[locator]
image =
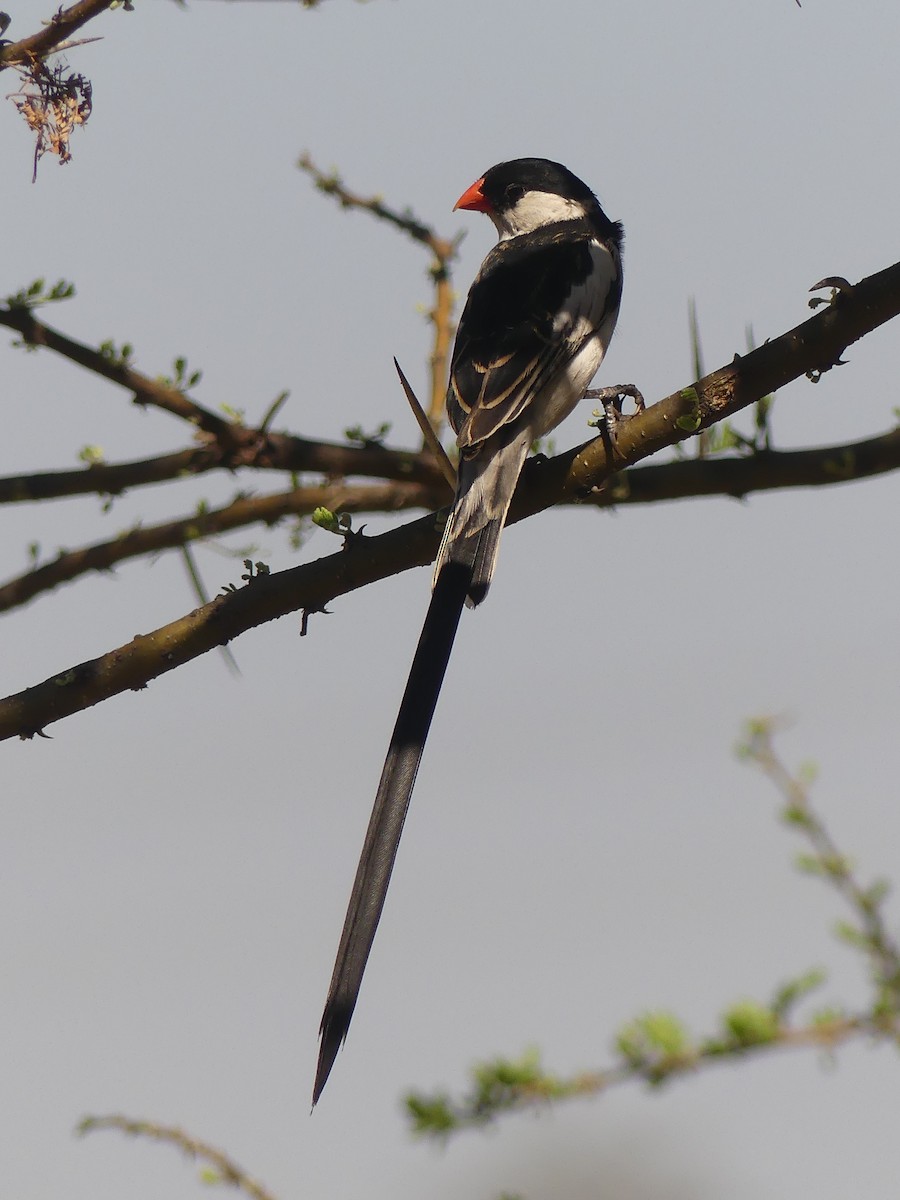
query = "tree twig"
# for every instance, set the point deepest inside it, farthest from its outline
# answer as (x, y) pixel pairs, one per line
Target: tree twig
(147, 391)
(444, 252)
(514, 1086)
(225, 1169)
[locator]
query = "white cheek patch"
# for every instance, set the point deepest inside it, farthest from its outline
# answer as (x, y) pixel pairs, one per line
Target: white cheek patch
(539, 208)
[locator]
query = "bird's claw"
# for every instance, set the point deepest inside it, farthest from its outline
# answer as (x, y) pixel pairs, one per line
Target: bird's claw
(838, 285)
(611, 399)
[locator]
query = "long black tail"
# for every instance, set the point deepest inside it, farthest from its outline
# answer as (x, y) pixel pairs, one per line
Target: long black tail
(391, 803)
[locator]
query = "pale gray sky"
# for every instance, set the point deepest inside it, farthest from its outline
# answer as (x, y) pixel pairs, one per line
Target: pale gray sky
(582, 845)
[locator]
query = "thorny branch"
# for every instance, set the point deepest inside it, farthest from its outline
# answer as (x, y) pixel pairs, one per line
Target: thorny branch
(811, 347)
(416, 485)
(241, 512)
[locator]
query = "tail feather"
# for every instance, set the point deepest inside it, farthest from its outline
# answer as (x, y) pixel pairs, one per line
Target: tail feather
(389, 813)
(483, 495)
(463, 571)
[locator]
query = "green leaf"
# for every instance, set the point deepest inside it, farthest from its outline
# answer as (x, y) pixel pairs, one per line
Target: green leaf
(750, 1023)
(91, 455)
(795, 814)
(430, 1114)
(325, 519)
(851, 935)
(809, 864)
(795, 989)
(652, 1035)
(689, 423)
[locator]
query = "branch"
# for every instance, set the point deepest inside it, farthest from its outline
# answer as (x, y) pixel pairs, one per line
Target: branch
(814, 346)
(60, 26)
(242, 511)
(107, 479)
(147, 391)
(236, 444)
(520, 1085)
(268, 452)
(224, 1169)
(331, 184)
(685, 478)
(725, 475)
(765, 470)
(810, 349)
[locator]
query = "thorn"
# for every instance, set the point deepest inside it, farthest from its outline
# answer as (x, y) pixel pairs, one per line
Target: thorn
(431, 438)
(306, 614)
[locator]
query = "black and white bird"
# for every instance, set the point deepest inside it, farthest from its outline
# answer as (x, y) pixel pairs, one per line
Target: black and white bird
(534, 330)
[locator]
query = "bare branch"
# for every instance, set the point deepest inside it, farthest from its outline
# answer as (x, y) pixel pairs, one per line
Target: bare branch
(331, 184)
(811, 347)
(108, 479)
(243, 511)
(60, 27)
(682, 479)
(766, 470)
(270, 452)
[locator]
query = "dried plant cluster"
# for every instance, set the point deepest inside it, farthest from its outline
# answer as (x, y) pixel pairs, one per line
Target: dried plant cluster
(54, 101)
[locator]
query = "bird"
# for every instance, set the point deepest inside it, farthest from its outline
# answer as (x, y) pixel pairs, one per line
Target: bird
(536, 324)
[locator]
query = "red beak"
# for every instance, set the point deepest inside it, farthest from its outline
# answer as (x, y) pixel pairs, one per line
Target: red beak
(473, 198)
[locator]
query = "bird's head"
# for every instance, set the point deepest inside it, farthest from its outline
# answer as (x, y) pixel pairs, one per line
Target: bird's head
(528, 193)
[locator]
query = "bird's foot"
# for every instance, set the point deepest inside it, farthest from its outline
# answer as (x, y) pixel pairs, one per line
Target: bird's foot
(838, 285)
(611, 400)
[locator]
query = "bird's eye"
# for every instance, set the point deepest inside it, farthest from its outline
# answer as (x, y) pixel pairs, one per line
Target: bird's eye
(514, 193)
